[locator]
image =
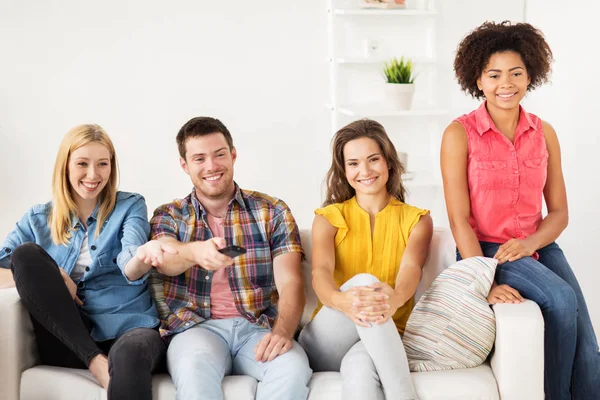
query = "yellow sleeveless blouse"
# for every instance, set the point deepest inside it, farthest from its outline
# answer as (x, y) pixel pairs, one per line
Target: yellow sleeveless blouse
(379, 254)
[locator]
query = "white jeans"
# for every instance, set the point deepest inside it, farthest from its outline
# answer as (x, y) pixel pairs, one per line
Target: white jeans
(200, 357)
(372, 360)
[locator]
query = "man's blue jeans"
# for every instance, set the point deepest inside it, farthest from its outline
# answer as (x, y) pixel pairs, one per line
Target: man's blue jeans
(572, 360)
(200, 357)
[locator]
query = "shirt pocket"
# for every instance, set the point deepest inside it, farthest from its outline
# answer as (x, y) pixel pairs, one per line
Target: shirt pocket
(492, 174)
(536, 170)
(107, 260)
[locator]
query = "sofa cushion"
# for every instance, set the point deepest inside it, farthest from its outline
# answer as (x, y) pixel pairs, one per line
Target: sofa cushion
(452, 326)
(55, 383)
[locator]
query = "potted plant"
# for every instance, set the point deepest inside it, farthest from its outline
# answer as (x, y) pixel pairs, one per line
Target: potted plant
(400, 86)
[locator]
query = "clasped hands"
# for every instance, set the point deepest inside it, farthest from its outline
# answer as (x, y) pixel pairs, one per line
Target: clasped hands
(364, 305)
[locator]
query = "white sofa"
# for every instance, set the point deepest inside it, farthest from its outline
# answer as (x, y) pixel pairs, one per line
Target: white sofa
(513, 371)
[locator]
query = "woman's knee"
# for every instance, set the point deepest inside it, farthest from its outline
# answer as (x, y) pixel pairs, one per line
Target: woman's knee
(26, 258)
(359, 280)
(562, 298)
(138, 347)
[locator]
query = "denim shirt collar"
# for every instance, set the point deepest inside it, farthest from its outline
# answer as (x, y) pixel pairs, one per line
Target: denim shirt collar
(237, 197)
(93, 217)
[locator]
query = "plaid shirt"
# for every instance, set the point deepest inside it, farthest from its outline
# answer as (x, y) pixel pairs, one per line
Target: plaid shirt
(260, 223)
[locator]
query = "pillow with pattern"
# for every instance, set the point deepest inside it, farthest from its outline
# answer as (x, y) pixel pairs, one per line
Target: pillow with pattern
(452, 326)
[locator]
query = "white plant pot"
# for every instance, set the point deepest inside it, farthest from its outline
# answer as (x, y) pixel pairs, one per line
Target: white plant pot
(398, 96)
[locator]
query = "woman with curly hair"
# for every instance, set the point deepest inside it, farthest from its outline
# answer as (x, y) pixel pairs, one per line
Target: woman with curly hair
(497, 163)
(368, 251)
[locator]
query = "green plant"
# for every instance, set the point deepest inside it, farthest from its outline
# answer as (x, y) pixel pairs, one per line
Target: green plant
(399, 71)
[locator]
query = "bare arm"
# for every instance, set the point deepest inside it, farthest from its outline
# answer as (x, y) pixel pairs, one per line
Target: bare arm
(453, 157)
(555, 195)
(287, 269)
(323, 256)
(413, 260)
(185, 255)
(6, 278)
(290, 285)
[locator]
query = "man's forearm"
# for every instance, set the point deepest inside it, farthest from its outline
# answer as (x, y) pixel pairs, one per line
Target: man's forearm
(176, 264)
(291, 305)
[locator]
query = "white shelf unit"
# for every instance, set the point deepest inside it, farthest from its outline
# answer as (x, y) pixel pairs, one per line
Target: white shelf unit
(356, 80)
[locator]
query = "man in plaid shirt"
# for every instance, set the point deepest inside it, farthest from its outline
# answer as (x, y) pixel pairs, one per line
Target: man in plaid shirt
(228, 315)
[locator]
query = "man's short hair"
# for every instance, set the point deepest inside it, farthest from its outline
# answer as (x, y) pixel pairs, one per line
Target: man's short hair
(201, 126)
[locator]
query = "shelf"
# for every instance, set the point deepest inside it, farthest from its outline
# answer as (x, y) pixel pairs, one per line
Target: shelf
(362, 60)
(375, 110)
(392, 12)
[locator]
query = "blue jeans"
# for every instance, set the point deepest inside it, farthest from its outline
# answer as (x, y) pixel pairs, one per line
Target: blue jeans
(572, 360)
(200, 357)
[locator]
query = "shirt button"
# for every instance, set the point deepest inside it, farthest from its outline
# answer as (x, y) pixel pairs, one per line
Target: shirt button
(187, 324)
(87, 269)
(93, 247)
(207, 277)
(205, 304)
(81, 285)
(516, 171)
(7, 251)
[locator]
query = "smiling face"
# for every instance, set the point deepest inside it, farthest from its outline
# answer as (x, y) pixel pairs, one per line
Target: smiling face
(366, 168)
(89, 171)
(504, 80)
(209, 163)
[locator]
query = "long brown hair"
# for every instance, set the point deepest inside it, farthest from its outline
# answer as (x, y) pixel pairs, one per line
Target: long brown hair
(338, 188)
(63, 205)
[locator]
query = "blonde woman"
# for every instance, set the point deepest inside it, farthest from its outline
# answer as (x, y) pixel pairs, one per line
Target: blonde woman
(73, 261)
(368, 251)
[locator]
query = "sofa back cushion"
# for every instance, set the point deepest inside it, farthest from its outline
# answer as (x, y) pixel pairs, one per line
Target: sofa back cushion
(452, 326)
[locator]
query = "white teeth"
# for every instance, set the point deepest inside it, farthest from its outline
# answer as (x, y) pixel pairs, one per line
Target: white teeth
(90, 185)
(506, 96)
(367, 181)
(212, 178)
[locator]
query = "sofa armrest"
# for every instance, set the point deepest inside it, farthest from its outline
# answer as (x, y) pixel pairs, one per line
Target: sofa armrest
(18, 349)
(518, 358)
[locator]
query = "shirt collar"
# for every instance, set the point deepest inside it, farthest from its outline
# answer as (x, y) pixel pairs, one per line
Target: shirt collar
(237, 197)
(93, 216)
(484, 121)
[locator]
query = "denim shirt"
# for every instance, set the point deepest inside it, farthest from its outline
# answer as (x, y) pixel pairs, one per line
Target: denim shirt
(112, 302)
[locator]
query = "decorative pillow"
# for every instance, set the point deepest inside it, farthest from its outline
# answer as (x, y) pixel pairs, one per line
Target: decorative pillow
(452, 326)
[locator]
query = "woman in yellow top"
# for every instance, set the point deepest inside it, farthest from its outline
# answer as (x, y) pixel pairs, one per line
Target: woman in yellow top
(368, 251)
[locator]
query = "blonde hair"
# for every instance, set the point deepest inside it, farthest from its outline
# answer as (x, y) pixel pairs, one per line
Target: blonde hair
(338, 188)
(63, 205)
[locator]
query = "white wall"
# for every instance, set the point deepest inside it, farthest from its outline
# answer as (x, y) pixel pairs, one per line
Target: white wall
(570, 103)
(143, 68)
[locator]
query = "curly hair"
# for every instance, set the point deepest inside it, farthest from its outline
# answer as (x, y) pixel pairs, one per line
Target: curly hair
(338, 188)
(475, 50)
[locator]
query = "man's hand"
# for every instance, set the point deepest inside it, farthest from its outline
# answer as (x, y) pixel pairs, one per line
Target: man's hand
(514, 249)
(71, 286)
(151, 252)
(504, 294)
(272, 345)
(206, 254)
